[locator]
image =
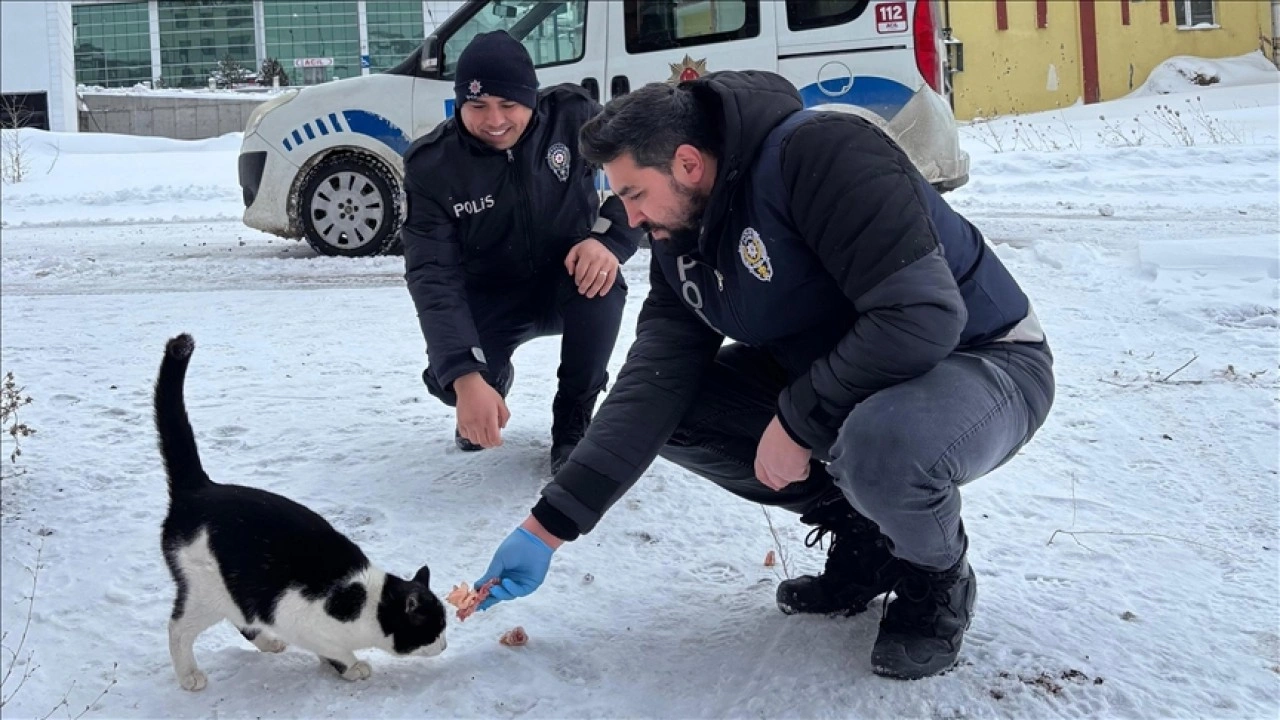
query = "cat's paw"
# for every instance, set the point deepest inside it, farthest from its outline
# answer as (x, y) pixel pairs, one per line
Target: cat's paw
(193, 681)
(270, 644)
(360, 671)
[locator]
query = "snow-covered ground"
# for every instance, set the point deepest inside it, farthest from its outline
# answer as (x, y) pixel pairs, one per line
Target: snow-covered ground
(1154, 268)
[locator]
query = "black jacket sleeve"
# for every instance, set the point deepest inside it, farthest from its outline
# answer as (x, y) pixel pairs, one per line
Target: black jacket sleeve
(433, 271)
(856, 200)
(618, 236)
(654, 390)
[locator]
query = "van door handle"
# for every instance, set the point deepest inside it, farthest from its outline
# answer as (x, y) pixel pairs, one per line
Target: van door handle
(592, 87)
(620, 85)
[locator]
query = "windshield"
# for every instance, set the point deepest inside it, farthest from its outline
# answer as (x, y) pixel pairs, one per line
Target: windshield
(552, 32)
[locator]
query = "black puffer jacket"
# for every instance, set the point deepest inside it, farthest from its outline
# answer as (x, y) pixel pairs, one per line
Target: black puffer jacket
(822, 244)
(479, 217)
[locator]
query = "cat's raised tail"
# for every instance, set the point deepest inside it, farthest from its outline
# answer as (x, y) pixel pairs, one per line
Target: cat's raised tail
(177, 440)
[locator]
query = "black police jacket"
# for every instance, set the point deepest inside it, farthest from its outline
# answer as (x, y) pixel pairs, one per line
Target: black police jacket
(480, 217)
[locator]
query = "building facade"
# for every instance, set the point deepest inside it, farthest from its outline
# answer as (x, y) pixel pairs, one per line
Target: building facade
(186, 43)
(1028, 55)
(37, 72)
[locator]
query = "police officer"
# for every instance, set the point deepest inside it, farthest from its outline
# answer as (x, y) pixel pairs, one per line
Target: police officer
(505, 240)
(884, 355)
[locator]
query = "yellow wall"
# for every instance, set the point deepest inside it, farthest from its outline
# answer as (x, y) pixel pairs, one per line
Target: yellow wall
(1133, 51)
(1015, 69)
(1009, 71)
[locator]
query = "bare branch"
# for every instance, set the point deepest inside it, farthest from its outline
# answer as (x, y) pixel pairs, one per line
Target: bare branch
(1074, 533)
(1182, 367)
(782, 555)
(31, 603)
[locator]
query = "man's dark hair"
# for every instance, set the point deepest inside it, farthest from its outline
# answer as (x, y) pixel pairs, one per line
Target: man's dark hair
(650, 124)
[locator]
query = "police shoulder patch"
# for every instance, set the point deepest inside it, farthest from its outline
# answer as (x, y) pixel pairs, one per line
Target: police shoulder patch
(558, 160)
(754, 255)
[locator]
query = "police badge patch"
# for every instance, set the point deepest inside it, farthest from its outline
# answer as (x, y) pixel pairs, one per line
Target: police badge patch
(558, 160)
(473, 89)
(754, 256)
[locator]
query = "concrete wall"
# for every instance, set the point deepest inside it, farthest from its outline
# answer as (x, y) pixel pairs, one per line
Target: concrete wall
(1025, 68)
(171, 116)
(36, 56)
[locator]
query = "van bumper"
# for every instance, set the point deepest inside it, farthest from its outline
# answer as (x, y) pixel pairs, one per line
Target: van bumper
(926, 130)
(266, 179)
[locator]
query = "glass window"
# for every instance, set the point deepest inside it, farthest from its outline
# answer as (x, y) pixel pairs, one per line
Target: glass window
(653, 25)
(112, 44)
(213, 28)
(811, 14)
(1194, 12)
(395, 31)
(554, 33)
(317, 34)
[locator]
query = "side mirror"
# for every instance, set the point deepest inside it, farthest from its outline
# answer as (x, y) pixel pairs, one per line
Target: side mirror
(429, 61)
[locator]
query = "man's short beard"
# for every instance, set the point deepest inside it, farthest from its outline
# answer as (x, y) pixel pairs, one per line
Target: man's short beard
(683, 229)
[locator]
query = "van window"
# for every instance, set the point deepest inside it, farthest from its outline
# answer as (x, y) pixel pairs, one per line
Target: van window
(653, 25)
(810, 14)
(553, 33)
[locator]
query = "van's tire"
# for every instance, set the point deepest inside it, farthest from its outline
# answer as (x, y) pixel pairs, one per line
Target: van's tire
(349, 206)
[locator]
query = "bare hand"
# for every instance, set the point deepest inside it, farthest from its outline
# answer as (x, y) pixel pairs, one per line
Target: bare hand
(482, 413)
(593, 267)
(779, 460)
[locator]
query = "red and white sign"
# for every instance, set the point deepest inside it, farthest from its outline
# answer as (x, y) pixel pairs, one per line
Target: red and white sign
(312, 62)
(891, 17)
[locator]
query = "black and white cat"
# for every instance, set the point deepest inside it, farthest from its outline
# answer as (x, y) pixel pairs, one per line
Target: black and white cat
(278, 571)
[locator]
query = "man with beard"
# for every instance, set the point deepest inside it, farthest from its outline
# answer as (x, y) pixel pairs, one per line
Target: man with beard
(883, 355)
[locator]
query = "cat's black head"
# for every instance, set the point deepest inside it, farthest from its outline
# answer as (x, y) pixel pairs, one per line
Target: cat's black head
(412, 616)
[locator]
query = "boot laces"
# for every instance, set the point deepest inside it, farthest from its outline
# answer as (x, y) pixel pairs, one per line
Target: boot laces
(571, 418)
(922, 598)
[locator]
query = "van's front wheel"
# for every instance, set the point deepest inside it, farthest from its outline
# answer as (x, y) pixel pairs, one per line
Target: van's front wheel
(350, 207)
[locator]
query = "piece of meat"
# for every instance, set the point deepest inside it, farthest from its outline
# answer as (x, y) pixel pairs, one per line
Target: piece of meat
(467, 599)
(515, 637)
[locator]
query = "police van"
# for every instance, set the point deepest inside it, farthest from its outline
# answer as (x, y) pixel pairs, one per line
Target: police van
(324, 162)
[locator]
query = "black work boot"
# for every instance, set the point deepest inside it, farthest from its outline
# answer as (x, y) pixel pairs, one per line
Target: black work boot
(503, 388)
(859, 566)
(570, 418)
(921, 632)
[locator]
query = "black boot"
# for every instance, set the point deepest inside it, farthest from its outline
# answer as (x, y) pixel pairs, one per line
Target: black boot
(570, 418)
(503, 387)
(859, 566)
(921, 632)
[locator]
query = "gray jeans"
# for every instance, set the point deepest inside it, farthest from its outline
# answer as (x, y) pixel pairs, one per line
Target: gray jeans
(901, 455)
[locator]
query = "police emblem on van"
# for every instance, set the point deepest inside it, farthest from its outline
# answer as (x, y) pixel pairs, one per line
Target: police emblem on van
(754, 256)
(687, 69)
(558, 159)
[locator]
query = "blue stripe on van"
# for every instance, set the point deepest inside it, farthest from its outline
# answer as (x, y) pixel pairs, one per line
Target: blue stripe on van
(297, 139)
(378, 128)
(324, 129)
(306, 128)
(333, 120)
(882, 96)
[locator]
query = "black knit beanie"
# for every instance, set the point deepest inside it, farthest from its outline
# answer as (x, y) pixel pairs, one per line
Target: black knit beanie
(495, 63)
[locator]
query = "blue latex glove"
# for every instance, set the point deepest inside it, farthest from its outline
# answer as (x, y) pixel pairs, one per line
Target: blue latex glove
(520, 563)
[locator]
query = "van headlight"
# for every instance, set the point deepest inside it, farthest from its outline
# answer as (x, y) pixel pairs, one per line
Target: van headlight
(261, 111)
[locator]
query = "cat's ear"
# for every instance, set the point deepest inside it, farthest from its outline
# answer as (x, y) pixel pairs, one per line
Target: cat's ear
(411, 602)
(423, 576)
